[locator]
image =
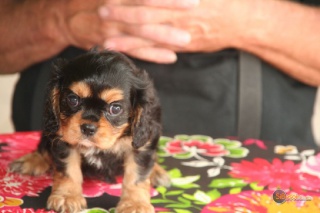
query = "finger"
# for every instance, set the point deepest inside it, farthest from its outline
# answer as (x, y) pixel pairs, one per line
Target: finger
(126, 43)
(160, 34)
(172, 4)
(137, 14)
(154, 54)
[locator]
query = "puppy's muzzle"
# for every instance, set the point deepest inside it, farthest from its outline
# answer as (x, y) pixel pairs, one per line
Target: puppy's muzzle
(88, 129)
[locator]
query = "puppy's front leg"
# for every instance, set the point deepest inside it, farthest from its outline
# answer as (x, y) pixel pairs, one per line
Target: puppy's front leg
(135, 197)
(66, 195)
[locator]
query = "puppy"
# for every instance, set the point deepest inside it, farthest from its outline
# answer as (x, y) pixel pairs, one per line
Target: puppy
(102, 118)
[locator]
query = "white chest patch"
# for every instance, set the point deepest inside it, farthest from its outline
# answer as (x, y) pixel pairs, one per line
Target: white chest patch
(91, 156)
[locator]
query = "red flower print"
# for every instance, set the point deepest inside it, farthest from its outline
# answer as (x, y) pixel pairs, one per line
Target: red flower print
(258, 143)
(12, 184)
(196, 147)
(95, 188)
(19, 210)
(277, 174)
(16, 145)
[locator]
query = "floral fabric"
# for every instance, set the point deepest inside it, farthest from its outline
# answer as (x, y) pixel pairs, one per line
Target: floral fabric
(207, 175)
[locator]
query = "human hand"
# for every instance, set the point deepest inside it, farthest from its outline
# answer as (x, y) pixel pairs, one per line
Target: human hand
(213, 26)
(85, 24)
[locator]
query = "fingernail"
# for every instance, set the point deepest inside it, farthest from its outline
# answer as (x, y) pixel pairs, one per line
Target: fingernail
(184, 38)
(103, 12)
(109, 45)
(171, 58)
(191, 3)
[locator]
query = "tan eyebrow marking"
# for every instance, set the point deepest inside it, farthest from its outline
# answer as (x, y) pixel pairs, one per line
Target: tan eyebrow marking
(81, 89)
(111, 95)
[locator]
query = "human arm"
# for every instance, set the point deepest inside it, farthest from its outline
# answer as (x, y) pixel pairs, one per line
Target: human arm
(32, 31)
(286, 35)
(28, 35)
(283, 33)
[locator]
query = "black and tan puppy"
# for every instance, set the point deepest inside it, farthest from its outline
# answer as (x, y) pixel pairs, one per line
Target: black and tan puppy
(103, 119)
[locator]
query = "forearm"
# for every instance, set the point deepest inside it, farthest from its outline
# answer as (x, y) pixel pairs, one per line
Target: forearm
(34, 30)
(284, 34)
(28, 34)
(295, 69)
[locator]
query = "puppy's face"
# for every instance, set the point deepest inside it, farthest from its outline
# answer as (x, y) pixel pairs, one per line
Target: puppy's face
(97, 99)
(93, 118)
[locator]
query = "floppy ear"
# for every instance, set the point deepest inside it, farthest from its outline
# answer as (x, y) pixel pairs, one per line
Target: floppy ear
(52, 105)
(146, 125)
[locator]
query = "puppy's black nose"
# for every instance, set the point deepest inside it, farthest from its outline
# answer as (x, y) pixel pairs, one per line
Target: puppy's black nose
(88, 129)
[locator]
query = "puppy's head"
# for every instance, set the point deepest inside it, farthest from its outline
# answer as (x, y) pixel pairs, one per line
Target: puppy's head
(100, 97)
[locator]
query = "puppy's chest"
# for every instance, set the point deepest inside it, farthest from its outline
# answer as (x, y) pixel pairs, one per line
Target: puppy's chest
(100, 164)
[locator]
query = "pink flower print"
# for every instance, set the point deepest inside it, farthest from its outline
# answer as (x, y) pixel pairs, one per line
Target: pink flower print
(19, 210)
(258, 143)
(16, 145)
(95, 188)
(187, 149)
(27, 141)
(277, 174)
(311, 165)
(12, 184)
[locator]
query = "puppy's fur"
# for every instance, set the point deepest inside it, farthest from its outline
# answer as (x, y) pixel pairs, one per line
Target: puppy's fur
(102, 119)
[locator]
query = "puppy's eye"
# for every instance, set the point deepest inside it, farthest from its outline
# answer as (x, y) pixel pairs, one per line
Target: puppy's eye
(73, 100)
(115, 109)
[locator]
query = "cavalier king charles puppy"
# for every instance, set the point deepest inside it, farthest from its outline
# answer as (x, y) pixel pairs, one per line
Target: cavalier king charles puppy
(102, 119)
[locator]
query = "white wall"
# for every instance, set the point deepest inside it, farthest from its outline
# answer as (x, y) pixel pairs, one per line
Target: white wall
(316, 118)
(7, 83)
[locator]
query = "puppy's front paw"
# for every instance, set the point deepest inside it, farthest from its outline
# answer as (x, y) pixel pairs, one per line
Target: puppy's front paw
(66, 203)
(30, 164)
(130, 206)
(159, 177)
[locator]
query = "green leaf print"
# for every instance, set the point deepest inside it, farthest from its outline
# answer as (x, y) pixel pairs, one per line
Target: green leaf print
(203, 138)
(175, 173)
(162, 190)
(202, 197)
(188, 186)
(182, 211)
(236, 190)
(155, 201)
(186, 182)
(182, 137)
(227, 183)
(164, 140)
(162, 153)
(240, 152)
(228, 144)
(185, 155)
(255, 187)
(95, 210)
(173, 193)
(214, 194)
